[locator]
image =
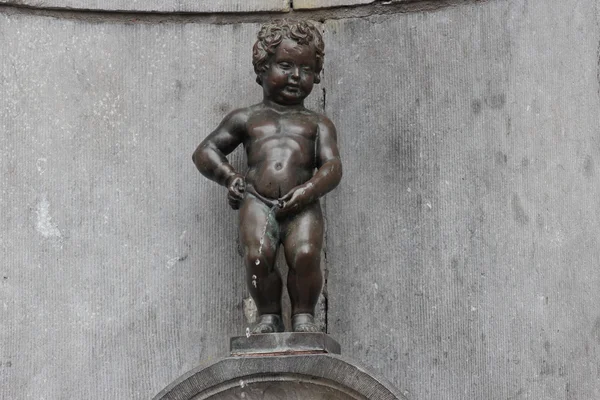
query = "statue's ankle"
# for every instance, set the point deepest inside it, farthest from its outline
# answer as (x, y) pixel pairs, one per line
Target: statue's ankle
(304, 322)
(269, 323)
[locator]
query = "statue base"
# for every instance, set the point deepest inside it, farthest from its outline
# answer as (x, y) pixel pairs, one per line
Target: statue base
(283, 344)
(281, 366)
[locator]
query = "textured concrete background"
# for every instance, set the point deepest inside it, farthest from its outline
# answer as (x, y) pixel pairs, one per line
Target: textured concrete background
(462, 245)
(121, 269)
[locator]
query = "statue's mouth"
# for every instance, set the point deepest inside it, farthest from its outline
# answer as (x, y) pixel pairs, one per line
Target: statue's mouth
(292, 88)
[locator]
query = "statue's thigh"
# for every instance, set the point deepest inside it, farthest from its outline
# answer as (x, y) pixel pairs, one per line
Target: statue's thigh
(304, 232)
(258, 226)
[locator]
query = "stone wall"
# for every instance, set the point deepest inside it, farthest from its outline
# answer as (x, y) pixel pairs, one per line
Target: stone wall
(197, 6)
(462, 246)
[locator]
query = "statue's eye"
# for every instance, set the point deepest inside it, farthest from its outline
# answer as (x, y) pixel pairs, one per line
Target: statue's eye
(307, 69)
(285, 65)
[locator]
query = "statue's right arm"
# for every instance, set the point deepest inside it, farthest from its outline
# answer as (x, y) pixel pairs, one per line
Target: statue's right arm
(210, 156)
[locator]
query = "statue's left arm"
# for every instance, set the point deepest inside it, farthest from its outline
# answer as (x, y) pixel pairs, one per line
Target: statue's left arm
(329, 170)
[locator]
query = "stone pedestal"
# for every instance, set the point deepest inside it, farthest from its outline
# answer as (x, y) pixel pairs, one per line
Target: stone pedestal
(293, 366)
(284, 343)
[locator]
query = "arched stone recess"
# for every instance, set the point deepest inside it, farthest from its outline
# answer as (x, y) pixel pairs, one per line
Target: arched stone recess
(163, 6)
(315, 376)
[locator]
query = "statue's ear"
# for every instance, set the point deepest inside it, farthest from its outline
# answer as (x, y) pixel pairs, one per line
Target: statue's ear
(317, 78)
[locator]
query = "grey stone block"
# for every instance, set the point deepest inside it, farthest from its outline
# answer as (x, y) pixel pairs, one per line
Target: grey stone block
(309, 4)
(463, 244)
(316, 4)
(121, 269)
(159, 5)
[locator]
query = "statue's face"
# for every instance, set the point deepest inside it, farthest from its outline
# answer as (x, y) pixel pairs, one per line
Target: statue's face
(290, 76)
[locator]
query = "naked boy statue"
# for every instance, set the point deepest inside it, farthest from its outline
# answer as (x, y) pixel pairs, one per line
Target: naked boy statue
(293, 160)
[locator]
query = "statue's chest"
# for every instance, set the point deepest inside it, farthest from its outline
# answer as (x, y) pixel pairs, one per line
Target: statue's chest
(271, 128)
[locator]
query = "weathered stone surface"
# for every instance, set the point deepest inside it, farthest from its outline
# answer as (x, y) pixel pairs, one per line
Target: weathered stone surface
(160, 5)
(307, 4)
(315, 377)
(121, 269)
(463, 245)
(463, 248)
(314, 4)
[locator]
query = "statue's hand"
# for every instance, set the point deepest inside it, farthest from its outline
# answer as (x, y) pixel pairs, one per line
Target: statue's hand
(294, 201)
(236, 187)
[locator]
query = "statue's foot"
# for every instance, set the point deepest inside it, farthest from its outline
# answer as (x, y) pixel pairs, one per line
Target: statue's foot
(304, 323)
(268, 323)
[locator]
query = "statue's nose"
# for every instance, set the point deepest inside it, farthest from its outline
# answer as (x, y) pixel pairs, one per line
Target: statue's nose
(295, 73)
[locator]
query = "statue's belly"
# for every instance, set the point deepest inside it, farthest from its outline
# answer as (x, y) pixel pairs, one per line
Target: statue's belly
(280, 166)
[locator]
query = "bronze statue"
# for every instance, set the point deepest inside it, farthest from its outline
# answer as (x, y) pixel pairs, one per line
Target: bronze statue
(293, 160)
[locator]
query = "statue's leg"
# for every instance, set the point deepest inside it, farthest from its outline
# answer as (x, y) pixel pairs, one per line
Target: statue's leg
(259, 237)
(303, 240)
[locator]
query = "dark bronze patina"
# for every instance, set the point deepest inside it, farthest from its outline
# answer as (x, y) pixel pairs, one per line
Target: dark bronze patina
(293, 160)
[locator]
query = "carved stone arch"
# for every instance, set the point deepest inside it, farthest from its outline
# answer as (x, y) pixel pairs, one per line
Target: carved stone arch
(293, 377)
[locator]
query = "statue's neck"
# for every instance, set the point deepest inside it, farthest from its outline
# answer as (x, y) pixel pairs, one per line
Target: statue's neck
(282, 107)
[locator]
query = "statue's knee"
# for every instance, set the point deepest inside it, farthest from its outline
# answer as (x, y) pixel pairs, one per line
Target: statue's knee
(306, 253)
(256, 257)
(251, 255)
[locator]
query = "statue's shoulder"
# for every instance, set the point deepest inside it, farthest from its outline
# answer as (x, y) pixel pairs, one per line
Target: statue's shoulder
(316, 116)
(241, 113)
(239, 117)
(324, 122)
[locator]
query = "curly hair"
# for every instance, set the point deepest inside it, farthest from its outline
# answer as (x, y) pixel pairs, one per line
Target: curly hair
(271, 35)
